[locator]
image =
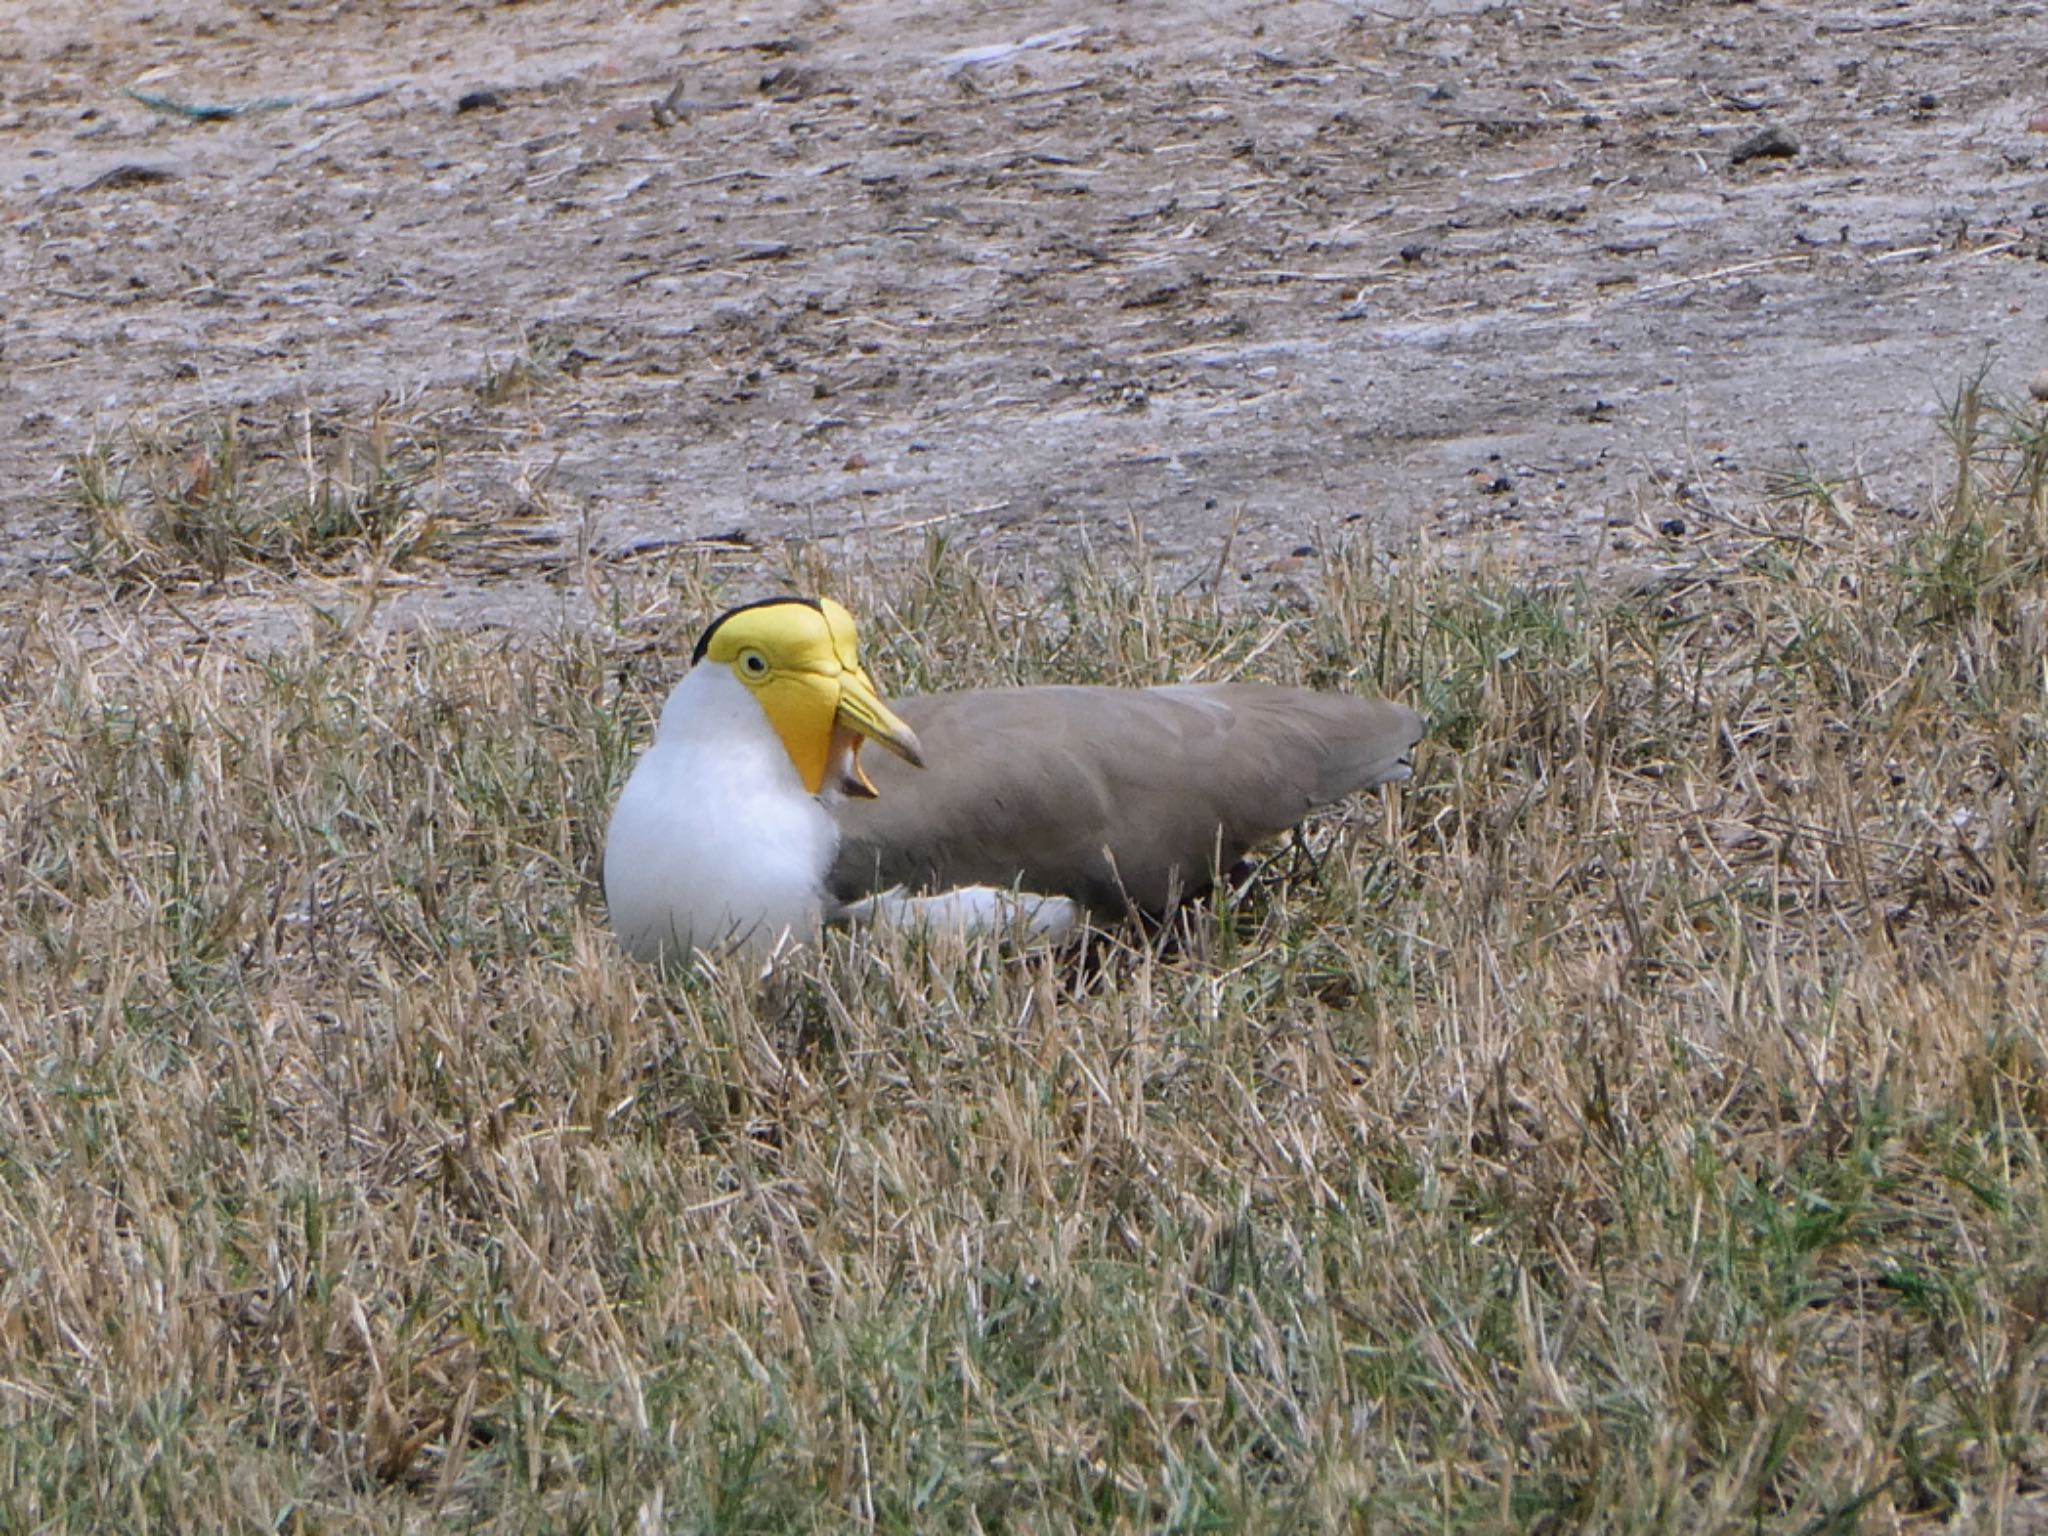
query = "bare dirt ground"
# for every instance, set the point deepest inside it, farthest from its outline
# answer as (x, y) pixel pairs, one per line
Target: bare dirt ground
(1249, 276)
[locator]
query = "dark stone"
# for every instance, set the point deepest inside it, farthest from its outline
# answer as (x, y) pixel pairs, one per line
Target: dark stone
(1772, 143)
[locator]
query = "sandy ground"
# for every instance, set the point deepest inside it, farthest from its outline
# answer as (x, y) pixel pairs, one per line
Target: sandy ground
(1252, 278)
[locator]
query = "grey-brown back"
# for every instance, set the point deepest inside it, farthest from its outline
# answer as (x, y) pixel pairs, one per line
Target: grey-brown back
(1117, 797)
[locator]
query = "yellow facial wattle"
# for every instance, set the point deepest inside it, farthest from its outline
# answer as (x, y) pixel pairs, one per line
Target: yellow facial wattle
(802, 661)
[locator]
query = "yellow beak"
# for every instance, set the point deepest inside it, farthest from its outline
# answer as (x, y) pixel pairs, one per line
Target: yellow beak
(862, 711)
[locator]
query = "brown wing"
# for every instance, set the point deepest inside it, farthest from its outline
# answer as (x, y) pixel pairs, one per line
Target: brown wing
(1113, 796)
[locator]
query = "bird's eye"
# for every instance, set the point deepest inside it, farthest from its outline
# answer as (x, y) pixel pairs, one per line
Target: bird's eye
(753, 663)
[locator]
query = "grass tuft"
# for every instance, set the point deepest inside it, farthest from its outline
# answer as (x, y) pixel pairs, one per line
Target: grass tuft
(200, 500)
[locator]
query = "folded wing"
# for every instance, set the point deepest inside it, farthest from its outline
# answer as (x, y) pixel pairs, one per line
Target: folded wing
(1113, 797)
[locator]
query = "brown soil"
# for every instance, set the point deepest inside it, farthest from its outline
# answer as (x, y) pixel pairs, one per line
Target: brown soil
(1245, 276)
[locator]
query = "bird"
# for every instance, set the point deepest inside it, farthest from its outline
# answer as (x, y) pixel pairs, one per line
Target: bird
(751, 818)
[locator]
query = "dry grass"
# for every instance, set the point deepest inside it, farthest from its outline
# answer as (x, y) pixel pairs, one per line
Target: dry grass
(1634, 1125)
(195, 499)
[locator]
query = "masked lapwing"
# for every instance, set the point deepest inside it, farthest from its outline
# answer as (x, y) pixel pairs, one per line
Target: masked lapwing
(752, 816)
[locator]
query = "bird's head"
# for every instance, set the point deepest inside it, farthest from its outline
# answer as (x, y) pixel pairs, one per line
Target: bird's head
(800, 658)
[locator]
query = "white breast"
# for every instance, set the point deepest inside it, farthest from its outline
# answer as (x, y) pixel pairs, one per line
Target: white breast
(715, 841)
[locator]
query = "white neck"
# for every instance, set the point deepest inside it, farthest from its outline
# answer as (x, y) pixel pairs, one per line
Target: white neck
(715, 840)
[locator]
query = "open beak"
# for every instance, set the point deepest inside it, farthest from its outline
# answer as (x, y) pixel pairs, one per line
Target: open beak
(862, 712)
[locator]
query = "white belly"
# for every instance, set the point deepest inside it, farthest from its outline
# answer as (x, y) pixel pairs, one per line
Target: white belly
(715, 843)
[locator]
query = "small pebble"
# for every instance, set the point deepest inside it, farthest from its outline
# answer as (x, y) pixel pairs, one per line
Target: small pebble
(130, 174)
(476, 100)
(1771, 144)
(2037, 386)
